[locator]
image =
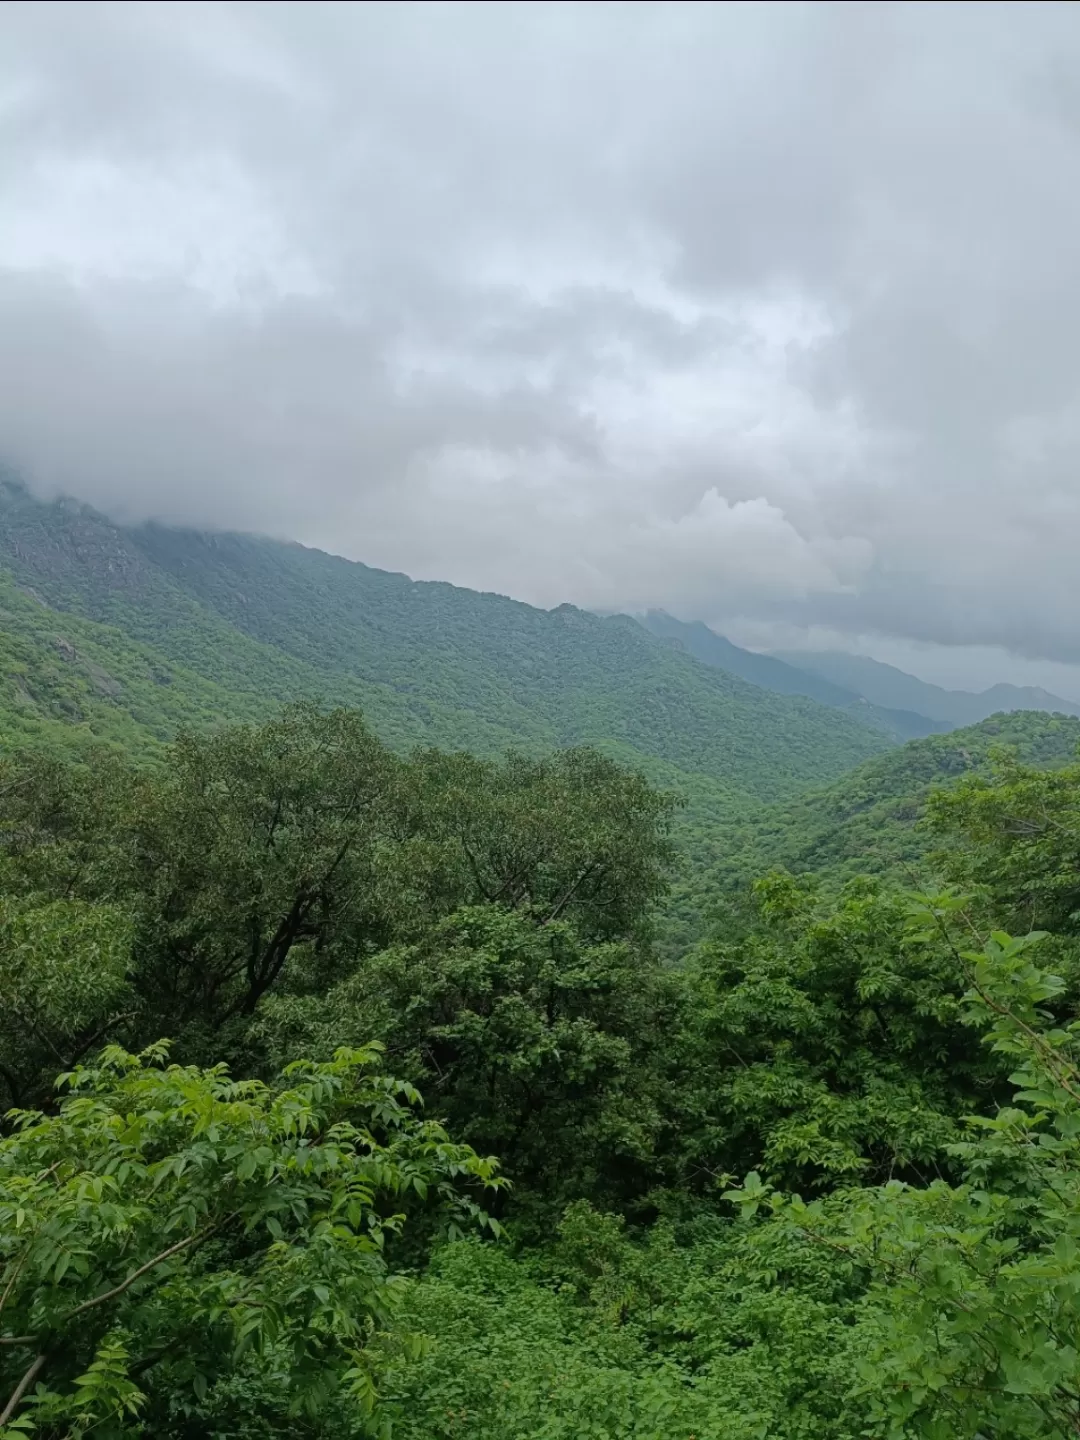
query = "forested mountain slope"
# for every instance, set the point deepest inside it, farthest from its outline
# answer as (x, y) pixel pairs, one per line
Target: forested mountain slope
(885, 685)
(866, 822)
(239, 624)
(296, 905)
(772, 673)
(297, 909)
(66, 680)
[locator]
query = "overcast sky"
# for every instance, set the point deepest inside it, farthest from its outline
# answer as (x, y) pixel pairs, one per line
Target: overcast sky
(767, 315)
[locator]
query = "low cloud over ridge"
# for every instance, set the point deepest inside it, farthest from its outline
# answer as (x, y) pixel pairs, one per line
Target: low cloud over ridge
(762, 314)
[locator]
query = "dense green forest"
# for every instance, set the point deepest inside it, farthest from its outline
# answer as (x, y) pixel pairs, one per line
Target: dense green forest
(379, 1113)
(699, 1066)
(772, 673)
(128, 631)
(869, 822)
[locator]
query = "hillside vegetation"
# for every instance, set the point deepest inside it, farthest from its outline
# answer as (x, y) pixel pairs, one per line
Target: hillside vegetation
(359, 1087)
(71, 682)
(250, 623)
(773, 673)
(819, 1181)
(867, 823)
(886, 685)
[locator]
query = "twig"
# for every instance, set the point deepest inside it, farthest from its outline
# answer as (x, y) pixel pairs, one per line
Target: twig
(137, 1274)
(20, 1390)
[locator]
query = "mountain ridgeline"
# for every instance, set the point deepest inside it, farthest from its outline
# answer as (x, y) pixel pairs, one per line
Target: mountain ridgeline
(885, 685)
(784, 678)
(125, 632)
(123, 635)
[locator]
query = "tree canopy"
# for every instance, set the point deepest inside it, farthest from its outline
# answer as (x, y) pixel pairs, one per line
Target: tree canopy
(813, 1177)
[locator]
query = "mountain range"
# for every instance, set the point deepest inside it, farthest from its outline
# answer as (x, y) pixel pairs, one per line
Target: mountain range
(120, 635)
(787, 678)
(884, 685)
(877, 694)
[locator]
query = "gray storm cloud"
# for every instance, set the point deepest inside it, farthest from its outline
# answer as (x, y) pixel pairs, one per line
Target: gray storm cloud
(763, 314)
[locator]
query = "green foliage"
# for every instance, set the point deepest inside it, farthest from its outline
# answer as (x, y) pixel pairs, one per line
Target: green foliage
(69, 684)
(169, 1227)
(867, 823)
(534, 1045)
(190, 629)
(246, 845)
(973, 1303)
(1013, 835)
(825, 1044)
(571, 836)
(64, 983)
(286, 856)
(252, 843)
(626, 1340)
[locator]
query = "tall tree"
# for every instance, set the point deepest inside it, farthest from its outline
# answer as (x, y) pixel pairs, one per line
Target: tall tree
(571, 836)
(533, 1044)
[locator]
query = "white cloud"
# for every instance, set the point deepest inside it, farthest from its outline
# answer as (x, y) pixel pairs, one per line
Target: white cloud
(765, 312)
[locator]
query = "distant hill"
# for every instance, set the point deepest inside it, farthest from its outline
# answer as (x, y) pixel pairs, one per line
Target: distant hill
(865, 823)
(123, 633)
(773, 673)
(887, 686)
